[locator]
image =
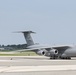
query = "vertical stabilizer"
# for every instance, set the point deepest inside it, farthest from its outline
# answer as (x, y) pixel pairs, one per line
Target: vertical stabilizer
(28, 38)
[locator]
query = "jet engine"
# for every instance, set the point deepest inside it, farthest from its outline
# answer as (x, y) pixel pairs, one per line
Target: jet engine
(41, 52)
(53, 52)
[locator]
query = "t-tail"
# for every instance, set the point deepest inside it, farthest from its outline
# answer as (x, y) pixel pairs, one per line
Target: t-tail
(28, 38)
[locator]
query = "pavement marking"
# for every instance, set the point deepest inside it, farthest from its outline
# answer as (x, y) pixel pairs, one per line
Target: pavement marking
(36, 68)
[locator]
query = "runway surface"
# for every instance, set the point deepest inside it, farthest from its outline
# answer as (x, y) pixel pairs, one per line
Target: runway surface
(36, 65)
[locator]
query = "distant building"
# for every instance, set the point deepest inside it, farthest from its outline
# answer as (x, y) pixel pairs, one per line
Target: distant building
(2, 48)
(6, 48)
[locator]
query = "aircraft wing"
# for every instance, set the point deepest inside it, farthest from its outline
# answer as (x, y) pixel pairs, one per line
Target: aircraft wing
(47, 48)
(61, 47)
(23, 50)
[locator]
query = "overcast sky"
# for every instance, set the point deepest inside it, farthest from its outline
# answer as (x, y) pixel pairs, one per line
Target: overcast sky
(54, 21)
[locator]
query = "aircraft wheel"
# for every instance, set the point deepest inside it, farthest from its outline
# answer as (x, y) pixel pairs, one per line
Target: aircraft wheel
(68, 57)
(53, 57)
(65, 58)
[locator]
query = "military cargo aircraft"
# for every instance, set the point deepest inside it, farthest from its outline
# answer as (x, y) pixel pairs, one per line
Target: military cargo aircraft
(54, 52)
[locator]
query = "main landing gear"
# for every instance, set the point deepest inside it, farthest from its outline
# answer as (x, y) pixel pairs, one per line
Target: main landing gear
(65, 57)
(55, 57)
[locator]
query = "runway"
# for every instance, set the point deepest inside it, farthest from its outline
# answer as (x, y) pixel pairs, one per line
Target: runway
(36, 65)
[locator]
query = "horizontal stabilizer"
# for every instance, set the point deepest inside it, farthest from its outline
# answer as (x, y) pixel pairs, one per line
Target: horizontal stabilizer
(24, 32)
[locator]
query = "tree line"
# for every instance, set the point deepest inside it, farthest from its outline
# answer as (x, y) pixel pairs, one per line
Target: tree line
(14, 46)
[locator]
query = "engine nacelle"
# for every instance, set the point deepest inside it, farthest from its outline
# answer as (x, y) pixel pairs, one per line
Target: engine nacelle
(53, 52)
(41, 52)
